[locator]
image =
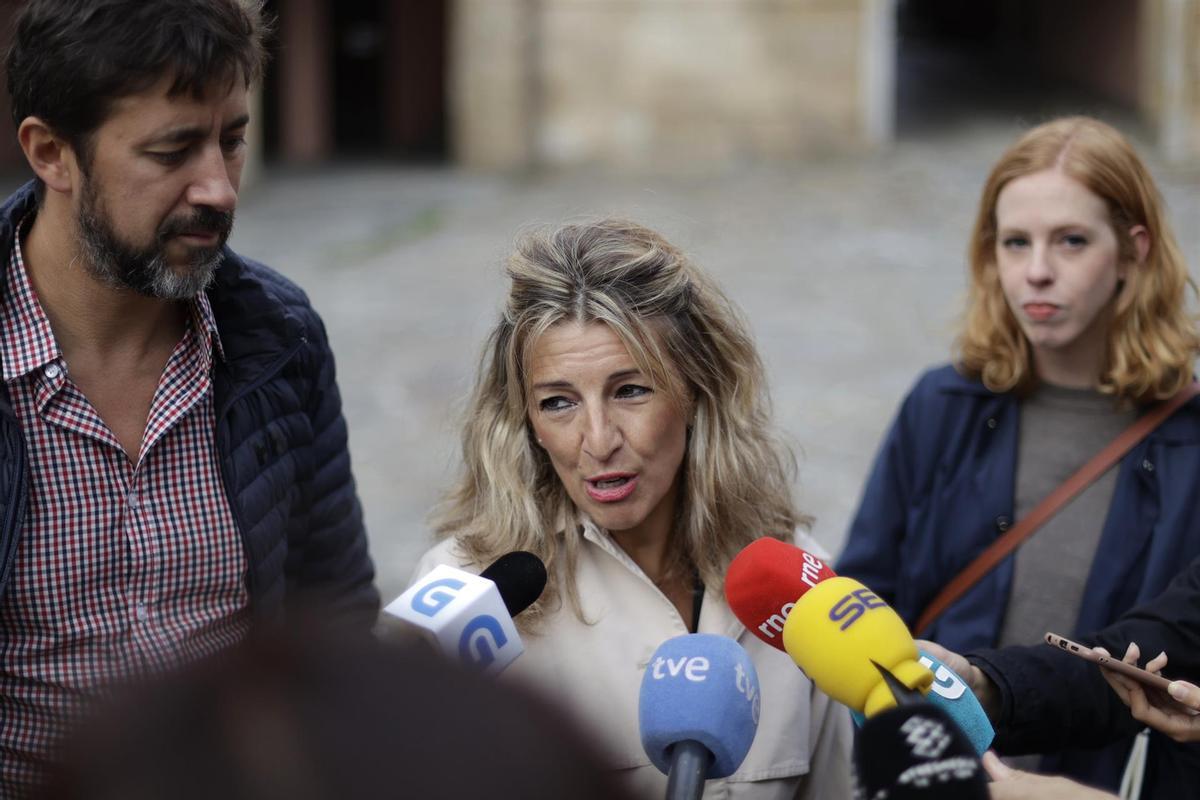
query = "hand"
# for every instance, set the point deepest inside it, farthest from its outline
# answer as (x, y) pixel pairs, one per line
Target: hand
(1013, 784)
(1175, 715)
(980, 684)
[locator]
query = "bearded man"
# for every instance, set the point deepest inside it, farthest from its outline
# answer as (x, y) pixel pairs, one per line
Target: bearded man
(173, 457)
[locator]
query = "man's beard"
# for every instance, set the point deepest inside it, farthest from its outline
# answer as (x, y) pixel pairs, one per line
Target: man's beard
(147, 270)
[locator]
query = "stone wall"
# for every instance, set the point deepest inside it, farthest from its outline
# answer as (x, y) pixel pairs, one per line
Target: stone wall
(1170, 76)
(663, 84)
(1192, 70)
(702, 84)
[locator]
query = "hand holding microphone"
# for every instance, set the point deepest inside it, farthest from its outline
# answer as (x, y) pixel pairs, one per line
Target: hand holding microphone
(979, 683)
(698, 710)
(469, 618)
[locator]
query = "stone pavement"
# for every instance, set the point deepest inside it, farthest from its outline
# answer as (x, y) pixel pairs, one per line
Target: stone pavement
(851, 271)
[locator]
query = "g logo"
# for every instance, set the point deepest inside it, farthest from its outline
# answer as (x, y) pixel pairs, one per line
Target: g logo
(945, 683)
(429, 602)
(480, 640)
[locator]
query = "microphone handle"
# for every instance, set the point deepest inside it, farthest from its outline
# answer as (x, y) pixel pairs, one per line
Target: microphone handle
(690, 761)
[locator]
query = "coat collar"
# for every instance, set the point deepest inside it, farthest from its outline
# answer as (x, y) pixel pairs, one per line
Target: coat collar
(1175, 430)
(952, 381)
(257, 326)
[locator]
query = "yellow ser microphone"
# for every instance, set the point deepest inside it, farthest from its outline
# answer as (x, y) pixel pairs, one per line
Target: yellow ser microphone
(834, 633)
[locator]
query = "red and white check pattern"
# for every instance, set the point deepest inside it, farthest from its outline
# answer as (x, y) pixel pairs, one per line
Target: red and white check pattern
(122, 568)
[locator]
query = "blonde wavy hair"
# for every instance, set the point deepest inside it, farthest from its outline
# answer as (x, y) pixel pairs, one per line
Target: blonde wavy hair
(1152, 338)
(683, 333)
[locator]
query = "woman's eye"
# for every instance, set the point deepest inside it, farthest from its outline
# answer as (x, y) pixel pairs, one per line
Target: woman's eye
(633, 390)
(1074, 240)
(1014, 242)
(556, 403)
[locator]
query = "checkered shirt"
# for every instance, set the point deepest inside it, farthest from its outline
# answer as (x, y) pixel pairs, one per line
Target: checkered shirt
(122, 569)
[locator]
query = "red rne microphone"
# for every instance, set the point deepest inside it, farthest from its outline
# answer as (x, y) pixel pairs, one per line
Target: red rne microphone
(765, 580)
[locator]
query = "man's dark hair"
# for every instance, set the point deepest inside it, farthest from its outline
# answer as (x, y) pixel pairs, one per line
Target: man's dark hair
(71, 59)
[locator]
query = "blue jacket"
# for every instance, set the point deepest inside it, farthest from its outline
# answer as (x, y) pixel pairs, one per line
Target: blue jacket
(942, 489)
(281, 443)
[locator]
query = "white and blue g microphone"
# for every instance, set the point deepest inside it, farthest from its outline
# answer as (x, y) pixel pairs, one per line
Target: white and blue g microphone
(698, 710)
(950, 693)
(469, 618)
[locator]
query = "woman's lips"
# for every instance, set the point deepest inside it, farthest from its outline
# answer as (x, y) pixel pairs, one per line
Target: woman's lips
(611, 488)
(1040, 312)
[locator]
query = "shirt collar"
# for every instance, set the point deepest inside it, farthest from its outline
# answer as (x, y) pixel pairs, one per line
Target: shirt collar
(204, 322)
(27, 341)
(715, 615)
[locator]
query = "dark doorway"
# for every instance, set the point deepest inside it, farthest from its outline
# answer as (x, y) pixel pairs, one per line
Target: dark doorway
(415, 83)
(383, 80)
(359, 43)
(1015, 60)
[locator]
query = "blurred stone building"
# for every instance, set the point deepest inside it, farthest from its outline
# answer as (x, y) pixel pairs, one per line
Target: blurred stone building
(675, 82)
(687, 84)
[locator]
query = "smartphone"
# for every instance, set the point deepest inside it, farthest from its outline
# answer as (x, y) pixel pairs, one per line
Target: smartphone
(1115, 664)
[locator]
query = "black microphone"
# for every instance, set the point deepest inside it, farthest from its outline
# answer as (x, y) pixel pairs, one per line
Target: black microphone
(520, 577)
(903, 695)
(917, 752)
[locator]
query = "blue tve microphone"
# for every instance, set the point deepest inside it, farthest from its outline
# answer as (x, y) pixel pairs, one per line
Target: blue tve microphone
(698, 710)
(951, 694)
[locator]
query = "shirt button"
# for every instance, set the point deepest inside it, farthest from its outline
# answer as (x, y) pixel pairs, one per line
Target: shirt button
(1002, 523)
(134, 502)
(141, 613)
(991, 423)
(1147, 465)
(53, 371)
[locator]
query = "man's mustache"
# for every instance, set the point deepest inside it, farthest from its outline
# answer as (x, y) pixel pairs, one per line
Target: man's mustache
(204, 220)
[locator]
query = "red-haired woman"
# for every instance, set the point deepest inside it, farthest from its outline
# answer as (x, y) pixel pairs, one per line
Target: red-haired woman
(1076, 324)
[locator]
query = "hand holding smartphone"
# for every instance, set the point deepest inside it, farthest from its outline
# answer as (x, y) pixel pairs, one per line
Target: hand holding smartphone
(1109, 662)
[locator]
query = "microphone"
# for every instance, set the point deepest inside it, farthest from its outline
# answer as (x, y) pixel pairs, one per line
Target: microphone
(916, 752)
(520, 578)
(698, 710)
(950, 693)
(768, 576)
(469, 618)
(764, 581)
(834, 633)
